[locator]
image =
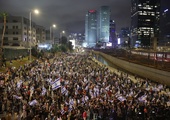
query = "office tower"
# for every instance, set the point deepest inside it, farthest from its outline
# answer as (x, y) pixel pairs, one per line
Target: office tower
(164, 37)
(145, 17)
(124, 36)
(90, 28)
(125, 32)
(103, 24)
(112, 38)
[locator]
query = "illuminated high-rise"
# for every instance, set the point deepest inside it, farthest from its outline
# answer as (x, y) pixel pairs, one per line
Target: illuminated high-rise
(91, 28)
(103, 24)
(113, 37)
(145, 17)
(164, 36)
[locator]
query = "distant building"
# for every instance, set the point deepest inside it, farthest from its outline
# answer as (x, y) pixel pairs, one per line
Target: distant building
(78, 37)
(124, 32)
(145, 17)
(17, 32)
(113, 38)
(91, 28)
(164, 37)
(103, 24)
(124, 36)
(40, 34)
(47, 34)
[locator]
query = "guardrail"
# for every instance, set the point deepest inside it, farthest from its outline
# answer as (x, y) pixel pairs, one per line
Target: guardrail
(143, 71)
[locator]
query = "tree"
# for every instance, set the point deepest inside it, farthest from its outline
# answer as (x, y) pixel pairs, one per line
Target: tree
(55, 49)
(70, 46)
(63, 48)
(4, 15)
(64, 40)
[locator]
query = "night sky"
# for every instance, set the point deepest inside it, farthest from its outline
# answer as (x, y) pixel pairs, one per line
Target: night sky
(68, 15)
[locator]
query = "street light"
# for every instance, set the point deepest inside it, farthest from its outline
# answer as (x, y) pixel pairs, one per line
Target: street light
(51, 36)
(61, 34)
(36, 12)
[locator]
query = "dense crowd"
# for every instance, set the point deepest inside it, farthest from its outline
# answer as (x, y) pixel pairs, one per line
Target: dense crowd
(75, 87)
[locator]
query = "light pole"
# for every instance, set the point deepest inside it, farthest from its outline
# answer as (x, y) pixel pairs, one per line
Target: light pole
(61, 35)
(36, 12)
(51, 32)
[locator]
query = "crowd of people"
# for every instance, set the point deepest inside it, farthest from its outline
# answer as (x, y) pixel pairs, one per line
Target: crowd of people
(75, 87)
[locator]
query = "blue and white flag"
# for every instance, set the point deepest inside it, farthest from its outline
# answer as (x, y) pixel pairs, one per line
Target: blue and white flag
(86, 98)
(62, 112)
(63, 90)
(17, 97)
(121, 98)
(70, 109)
(56, 84)
(34, 102)
(52, 82)
(142, 98)
(107, 88)
(44, 90)
(71, 102)
(19, 84)
(83, 100)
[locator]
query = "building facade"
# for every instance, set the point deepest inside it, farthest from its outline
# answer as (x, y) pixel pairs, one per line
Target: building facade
(40, 34)
(103, 24)
(164, 37)
(113, 38)
(91, 28)
(78, 37)
(17, 32)
(145, 17)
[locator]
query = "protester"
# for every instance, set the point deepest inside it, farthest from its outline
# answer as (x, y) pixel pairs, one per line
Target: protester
(74, 86)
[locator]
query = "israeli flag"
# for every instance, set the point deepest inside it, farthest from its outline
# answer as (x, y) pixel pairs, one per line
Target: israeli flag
(107, 88)
(17, 97)
(63, 90)
(142, 98)
(71, 102)
(19, 84)
(34, 102)
(70, 109)
(62, 112)
(83, 100)
(121, 98)
(86, 98)
(56, 84)
(52, 82)
(44, 90)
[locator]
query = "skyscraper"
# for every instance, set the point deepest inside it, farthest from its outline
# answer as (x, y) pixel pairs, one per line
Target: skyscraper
(112, 38)
(145, 17)
(91, 28)
(164, 37)
(103, 24)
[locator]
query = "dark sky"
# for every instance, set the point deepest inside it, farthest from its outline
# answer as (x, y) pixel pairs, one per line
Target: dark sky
(68, 15)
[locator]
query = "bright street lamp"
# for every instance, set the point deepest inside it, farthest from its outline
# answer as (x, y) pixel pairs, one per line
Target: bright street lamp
(51, 35)
(36, 12)
(61, 34)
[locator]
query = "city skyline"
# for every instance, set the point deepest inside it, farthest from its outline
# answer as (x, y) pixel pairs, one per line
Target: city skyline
(68, 15)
